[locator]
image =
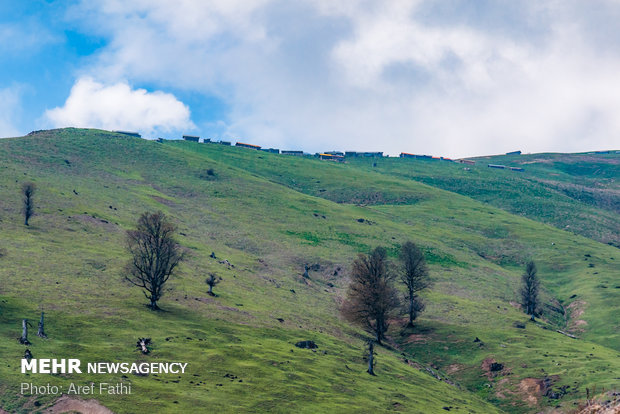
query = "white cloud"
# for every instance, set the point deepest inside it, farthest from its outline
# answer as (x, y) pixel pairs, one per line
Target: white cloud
(416, 76)
(117, 106)
(10, 106)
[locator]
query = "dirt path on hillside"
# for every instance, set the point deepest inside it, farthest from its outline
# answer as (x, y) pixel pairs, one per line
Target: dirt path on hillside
(66, 404)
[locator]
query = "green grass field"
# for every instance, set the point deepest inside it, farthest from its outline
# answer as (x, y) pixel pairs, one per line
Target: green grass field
(579, 193)
(271, 214)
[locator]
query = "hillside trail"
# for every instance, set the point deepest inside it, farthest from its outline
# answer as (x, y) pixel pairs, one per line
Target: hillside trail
(67, 404)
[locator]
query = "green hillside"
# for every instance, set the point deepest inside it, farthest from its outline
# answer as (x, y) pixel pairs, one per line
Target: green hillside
(579, 193)
(268, 215)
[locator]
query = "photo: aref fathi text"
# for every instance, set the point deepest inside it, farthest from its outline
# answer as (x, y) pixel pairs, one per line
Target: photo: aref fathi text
(27, 388)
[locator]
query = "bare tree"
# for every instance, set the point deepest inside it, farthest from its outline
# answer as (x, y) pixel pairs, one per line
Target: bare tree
(154, 255)
(371, 356)
(415, 277)
(28, 207)
(371, 298)
(24, 338)
(212, 280)
(41, 331)
(529, 290)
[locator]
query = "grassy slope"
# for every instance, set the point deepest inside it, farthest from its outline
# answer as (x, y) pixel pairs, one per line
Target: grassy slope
(576, 192)
(69, 263)
(457, 233)
(262, 212)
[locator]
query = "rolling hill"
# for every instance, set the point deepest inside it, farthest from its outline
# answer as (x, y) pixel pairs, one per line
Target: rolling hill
(579, 193)
(268, 215)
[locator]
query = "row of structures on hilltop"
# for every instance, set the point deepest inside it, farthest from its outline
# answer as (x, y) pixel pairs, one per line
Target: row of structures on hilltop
(328, 155)
(331, 155)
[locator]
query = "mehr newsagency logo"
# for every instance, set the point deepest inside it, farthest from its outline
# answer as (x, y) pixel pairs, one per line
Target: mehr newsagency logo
(75, 366)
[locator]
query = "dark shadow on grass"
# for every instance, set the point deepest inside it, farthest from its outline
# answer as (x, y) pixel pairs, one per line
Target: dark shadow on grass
(157, 309)
(418, 328)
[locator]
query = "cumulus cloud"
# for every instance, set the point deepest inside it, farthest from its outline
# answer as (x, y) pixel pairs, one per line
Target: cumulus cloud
(118, 106)
(451, 79)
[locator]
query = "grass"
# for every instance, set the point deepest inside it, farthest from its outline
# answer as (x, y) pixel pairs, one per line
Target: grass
(575, 192)
(269, 215)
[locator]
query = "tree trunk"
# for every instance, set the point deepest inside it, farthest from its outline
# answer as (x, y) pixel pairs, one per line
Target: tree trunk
(24, 339)
(142, 344)
(411, 316)
(371, 347)
(532, 317)
(153, 305)
(41, 331)
(210, 290)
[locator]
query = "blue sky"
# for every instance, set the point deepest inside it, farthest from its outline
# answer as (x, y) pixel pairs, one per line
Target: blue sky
(453, 78)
